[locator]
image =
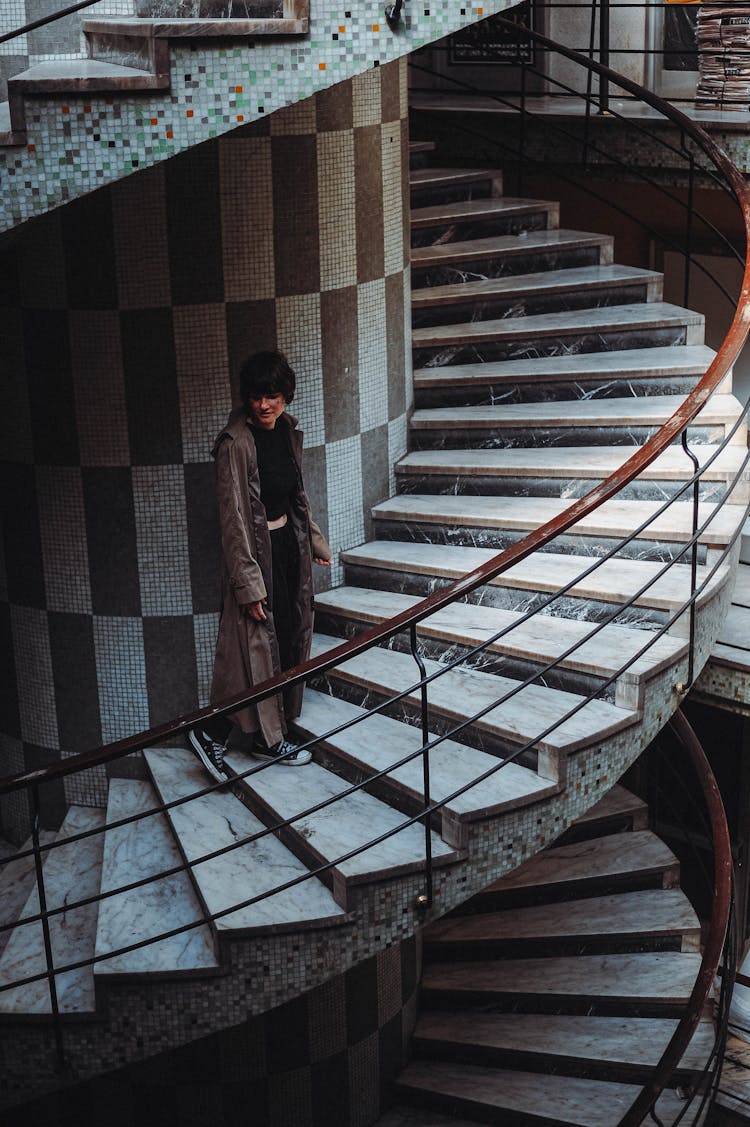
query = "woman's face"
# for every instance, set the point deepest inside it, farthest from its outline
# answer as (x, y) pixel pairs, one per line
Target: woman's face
(266, 409)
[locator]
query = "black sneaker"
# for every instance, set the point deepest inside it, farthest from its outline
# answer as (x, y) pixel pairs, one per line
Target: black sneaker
(283, 752)
(210, 752)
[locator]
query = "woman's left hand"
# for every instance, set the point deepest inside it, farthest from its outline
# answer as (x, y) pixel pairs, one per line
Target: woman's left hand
(323, 563)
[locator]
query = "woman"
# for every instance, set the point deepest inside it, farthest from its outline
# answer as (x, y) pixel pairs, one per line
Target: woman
(269, 540)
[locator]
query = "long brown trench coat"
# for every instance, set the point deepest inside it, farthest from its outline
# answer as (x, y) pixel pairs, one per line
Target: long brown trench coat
(246, 651)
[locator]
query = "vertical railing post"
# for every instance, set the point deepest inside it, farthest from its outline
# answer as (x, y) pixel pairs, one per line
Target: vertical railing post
(48, 954)
(603, 55)
(693, 558)
(688, 226)
(425, 900)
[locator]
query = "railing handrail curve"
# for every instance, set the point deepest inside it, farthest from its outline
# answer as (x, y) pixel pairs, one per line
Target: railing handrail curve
(515, 553)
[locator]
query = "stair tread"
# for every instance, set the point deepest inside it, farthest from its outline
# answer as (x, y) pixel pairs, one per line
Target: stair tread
(473, 209)
(567, 461)
(658, 976)
(613, 518)
(517, 285)
(553, 239)
(643, 410)
(581, 1037)
(133, 852)
(379, 741)
(91, 73)
(218, 819)
(71, 873)
(541, 638)
(430, 177)
(664, 361)
(640, 853)
(594, 319)
(344, 825)
(562, 1100)
(616, 803)
(662, 912)
(459, 693)
(614, 580)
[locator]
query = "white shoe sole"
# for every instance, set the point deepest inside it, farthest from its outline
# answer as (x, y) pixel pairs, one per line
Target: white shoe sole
(212, 769)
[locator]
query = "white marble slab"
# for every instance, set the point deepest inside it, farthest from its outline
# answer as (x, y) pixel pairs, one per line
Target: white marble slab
(219, 819)
(348, 823)
(614, 518)
(17, 879)
(541, 638)
(460, 693)
(525, 243)
(666, 361)
(568, 462)
(613, 581)
(429, 177)
(540, 282)
(71, 873)
(480, 209)
(642, 410)
(133, 852)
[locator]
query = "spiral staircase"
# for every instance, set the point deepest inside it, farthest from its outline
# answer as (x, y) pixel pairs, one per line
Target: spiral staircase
(540, 367)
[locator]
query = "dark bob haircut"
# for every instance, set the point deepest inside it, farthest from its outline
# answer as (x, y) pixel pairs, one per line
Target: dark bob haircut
(266, 373)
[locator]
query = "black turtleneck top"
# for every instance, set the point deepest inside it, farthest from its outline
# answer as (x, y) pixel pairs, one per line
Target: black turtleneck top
(276, 469)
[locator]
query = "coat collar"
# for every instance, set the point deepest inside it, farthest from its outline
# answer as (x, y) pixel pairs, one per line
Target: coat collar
(236, 425)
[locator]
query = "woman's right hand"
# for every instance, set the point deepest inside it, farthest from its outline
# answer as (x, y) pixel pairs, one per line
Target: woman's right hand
(254, 611)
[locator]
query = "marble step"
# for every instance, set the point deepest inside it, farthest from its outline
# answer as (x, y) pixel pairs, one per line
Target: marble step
(533, 294)
(650, 983)
(648, 918)
(494, 256)
(378, 742)
(77, 76)
(559, 470)
(420, 154)
(590, 329)
(580, 867)
(415, 568)
(500, 421)
(445, 185)
(219, 819)
(537, 640)
(17, 880)
(71, 873)
(614, 1048)
(483, 218)
(511, 1097)
(329, 834)
(619, 810)
(457, 694)
(12, 124)
(133, 852)
(580, 375)
(493, 521)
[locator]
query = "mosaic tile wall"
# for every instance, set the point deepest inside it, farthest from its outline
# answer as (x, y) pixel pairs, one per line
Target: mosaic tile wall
(328, 1057)
(77, 143)
(126, 316)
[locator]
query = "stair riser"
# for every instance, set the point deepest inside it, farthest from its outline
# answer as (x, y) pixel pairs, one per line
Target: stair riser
(409, 713)
(420, 160)
(496, 438)
(498, 539)
(481, 395)
(518, 347)
(494, 265)
(507, 1002)
(470, 485)
(454, 193)
(545, 1063)
(458, 231)
(530, 305)
(126, 50)
(504, 666)
(506, 598)
(532, 948)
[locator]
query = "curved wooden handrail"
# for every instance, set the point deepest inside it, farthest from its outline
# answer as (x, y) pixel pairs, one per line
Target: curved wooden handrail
(510, 556)
(714, 943)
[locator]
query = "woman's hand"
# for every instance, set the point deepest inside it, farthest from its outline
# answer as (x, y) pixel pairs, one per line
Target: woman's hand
(254, 611)
(323, 563)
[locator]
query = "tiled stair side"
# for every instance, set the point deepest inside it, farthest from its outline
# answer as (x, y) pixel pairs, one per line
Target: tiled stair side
(303, 63)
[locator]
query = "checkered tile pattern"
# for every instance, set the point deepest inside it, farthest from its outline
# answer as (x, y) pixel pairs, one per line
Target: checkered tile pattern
(327, 1057)
(128, 314)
